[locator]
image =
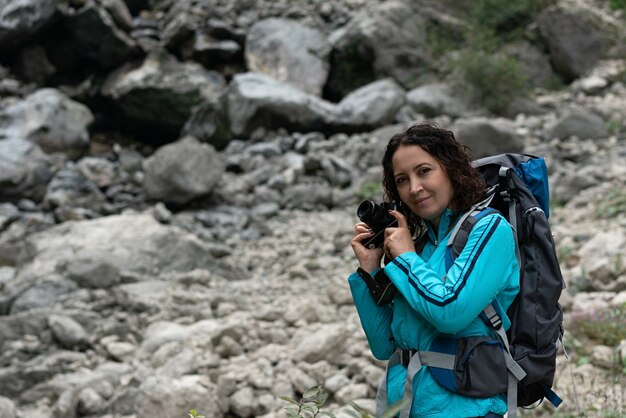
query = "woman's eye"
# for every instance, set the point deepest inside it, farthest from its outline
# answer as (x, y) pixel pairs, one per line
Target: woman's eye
(423, 171)
(400, 180)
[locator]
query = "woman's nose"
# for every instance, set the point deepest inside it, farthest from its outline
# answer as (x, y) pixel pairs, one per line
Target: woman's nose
(416, 187)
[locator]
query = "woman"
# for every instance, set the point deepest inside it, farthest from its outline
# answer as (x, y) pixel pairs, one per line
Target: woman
(430, 172)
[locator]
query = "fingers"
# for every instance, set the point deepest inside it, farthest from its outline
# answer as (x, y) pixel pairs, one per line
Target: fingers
(402, 222)
(362, 232)
(361, 228)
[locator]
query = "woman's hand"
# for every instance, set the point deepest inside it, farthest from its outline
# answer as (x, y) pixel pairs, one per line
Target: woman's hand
(369, 259)
(398, 240)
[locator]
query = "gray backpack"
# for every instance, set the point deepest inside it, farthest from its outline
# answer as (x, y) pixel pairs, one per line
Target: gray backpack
(518, 189)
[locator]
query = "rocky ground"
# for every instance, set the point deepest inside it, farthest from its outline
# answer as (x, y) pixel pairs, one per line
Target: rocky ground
(176, 206)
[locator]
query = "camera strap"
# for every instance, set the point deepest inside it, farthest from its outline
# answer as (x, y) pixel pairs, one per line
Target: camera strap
(368, 279)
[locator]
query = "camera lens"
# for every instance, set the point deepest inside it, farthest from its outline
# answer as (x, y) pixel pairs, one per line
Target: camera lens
(371, 213)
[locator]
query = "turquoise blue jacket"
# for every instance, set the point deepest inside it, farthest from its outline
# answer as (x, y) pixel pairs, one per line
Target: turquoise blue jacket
(431, 302)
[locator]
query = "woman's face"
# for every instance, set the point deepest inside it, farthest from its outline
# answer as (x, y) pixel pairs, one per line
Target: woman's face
(423, 185)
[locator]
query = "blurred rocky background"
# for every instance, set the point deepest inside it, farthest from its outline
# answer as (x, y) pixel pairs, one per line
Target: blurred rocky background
(178, 184)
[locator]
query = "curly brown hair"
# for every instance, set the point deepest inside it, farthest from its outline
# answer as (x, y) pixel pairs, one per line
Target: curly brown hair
(455, 159)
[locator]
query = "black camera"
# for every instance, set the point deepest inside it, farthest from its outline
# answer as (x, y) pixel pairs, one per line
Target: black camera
(377, 217)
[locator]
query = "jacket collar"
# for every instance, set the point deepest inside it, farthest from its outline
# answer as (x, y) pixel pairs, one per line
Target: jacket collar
(444, 226)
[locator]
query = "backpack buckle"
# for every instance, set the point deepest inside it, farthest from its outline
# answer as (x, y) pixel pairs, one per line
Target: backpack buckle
(505, 183)
(405, 356)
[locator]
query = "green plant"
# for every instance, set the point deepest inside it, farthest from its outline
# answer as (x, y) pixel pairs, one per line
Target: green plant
(503, 16)
(309, 405)
(615, 126)
(493, 80)
(314, 398)
(194, 414)
(611, 204)
(618, 4)
(441, 39)
(370, 190)
(564, 252)
(601, 326)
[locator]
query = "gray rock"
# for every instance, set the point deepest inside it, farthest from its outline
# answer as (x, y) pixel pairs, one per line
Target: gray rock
(371, 106)
(120, 13)
(93, 35)
(32, 65)
(7, 408)
(89, 402)
(352, 392)
(130, 242)
(599, 255)
(487, 136)
(575, 44)
(69, 188)
(24, 169)
(307, 196)
(176, 366)
(336, 170)
(121, 351)
(388, 40)
(438, 99)
(321, 344)
(290, 52)
(578, 122)
(209, 123)
(163, 397)
(146, 296)
(179, 26)
(67, 332)
(44, 294)
(535, 63)
(182, 171)
(20, 20)
(256, 100)
(144, 91)
(243, 402)
(336, 382)
(97, 274)
(50, 119)
(224, 216)
(99, 170)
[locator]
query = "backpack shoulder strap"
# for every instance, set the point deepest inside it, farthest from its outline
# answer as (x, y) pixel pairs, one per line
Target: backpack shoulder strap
(463, 228)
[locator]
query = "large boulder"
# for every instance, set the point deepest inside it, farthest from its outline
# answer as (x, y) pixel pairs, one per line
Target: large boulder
(389, 41)
(371, 106)
(289, 51)
(129, 243)
(579, 122)
(92, 34)
(488, 136)
(50, 119)
(574, 42)
(534, 62)
(179, 172)
(20, 20)
(257, 100)
(156, 96)
(436, 99)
